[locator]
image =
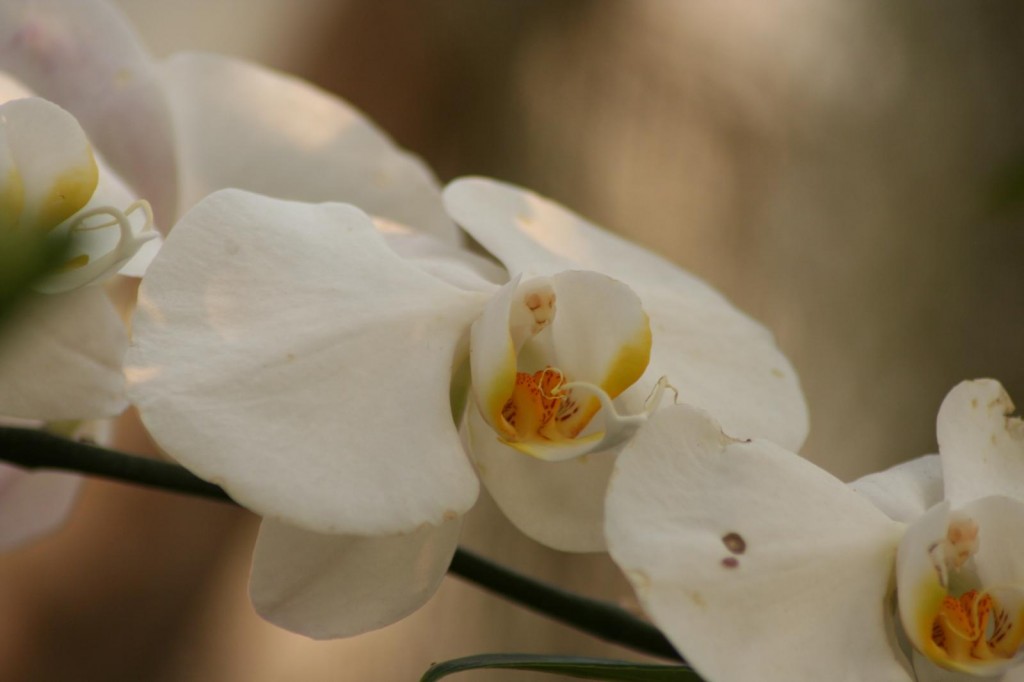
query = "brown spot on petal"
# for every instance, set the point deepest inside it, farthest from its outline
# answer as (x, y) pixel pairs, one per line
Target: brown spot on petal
(730, 562)
(735, 543)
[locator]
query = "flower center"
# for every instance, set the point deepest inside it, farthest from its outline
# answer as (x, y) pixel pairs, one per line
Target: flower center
(973, 626)
(549, 354)
(966, 629)
(541, 407)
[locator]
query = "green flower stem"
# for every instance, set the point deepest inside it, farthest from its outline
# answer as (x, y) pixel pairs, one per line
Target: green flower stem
(34, 449)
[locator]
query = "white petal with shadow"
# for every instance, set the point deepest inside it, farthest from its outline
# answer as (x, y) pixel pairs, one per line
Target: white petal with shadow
(327, 586)
(284, 351)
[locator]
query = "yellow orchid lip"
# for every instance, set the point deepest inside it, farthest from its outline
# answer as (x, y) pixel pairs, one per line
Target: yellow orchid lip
(974, 630)
(542, 408)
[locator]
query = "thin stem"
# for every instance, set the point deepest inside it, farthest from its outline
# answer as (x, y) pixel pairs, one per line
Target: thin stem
(34, 449)
(42, 450)
(594, 617)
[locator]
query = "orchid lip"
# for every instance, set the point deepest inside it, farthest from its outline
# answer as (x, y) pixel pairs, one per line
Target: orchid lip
(82, 269)
(618, 428)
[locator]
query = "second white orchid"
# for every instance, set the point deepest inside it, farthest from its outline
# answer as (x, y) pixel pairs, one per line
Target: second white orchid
(759, 565)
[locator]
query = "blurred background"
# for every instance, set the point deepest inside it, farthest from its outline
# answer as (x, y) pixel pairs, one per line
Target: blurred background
(852, 175)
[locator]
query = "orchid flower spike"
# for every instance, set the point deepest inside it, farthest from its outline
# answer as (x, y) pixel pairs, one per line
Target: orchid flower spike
(317, 362)
(758, 565)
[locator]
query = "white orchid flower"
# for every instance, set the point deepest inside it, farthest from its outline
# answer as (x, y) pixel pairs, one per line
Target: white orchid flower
(85, 57)
(304, 359)
(175, 131)
(712, 354)
(62, 359)
(758, 565)
(178, 130)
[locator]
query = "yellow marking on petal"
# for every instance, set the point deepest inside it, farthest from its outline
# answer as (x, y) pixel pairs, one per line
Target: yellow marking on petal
(928, 600)
(631, 361)
(542, 449)
(79, 261)
(502, 385)
(12, 200)
(71, 190)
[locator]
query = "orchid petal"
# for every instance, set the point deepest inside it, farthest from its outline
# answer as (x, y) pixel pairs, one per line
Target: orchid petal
(537, 237)
(137, 265)
(84, 56)
(600, 333)
(999, 559)
(48, 170)
(905, 491)
(240, 125)
(559, 504)
(62, 359)
(12, 88)
(982, 448)
(756, 564)
(260, 317)
(454, 265)
(33, 504)
(716, 356)
(926, 671)
(327, 586)
(492, 355)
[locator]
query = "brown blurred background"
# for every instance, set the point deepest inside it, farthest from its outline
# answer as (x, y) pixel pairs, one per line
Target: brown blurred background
(850, 174)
